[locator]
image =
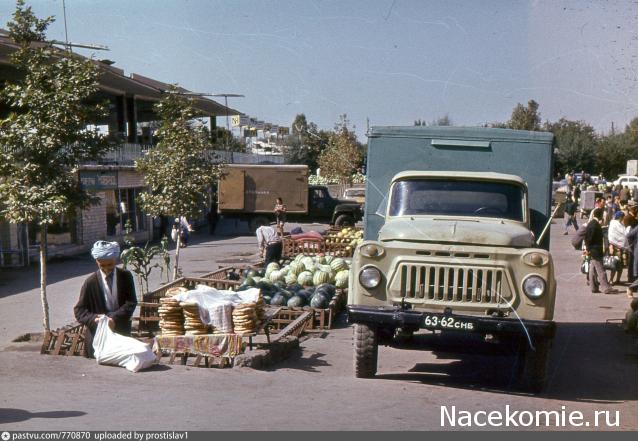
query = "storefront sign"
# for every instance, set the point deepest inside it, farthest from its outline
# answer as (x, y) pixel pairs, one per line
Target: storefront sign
(98, 180)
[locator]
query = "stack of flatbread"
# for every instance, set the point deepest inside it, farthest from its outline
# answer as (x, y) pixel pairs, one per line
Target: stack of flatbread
(192, 320)
(171, 318)
(245, 318)
(260, 309)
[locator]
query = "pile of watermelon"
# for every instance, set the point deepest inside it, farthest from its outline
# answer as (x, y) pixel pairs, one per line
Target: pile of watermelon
(302, 281)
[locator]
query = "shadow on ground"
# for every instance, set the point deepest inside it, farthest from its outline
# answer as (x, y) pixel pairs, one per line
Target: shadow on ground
(589, 362)
(8, 415)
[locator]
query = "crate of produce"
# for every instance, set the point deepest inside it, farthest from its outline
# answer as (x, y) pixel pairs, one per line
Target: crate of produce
(148, 319)
(323, 318)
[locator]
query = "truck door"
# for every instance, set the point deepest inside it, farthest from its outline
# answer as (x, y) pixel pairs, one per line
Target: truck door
(231, 189)
(319, 206)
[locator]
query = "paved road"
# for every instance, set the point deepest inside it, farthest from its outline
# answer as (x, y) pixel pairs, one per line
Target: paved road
(593, 366)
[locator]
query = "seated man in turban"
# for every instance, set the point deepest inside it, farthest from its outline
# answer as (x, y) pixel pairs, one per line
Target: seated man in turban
(110, 291)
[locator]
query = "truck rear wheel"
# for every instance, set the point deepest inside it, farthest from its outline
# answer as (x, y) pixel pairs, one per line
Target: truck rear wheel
(256, 222)
(533, 365)
(344, 220)
(366, 351)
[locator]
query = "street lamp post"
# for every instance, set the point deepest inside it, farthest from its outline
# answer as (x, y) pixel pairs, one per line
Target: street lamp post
(226, 95)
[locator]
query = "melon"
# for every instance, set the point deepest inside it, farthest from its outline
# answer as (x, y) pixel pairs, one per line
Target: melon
(329, 259)
(276, 276)
(296, 268)
(278, 300)
(338, 264)
(296, 301)
(291, 278)
(319, 301)
(320, 277)
(305, 278)
(341, 279)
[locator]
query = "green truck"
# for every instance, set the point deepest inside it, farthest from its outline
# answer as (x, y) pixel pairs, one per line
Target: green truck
(456, 241)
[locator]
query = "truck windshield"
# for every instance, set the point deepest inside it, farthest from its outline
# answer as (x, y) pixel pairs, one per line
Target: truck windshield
(457, 198)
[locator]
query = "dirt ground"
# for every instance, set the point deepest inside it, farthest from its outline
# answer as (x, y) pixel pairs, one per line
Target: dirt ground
(593, 364)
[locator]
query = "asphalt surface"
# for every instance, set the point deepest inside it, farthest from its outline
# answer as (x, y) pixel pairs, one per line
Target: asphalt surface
(592, 368)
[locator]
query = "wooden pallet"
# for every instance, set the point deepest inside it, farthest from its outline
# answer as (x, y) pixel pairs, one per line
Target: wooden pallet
(148, 319)
(64, 341)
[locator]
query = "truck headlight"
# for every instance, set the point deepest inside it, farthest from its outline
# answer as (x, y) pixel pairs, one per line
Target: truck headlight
(369, 277)
(534, 287)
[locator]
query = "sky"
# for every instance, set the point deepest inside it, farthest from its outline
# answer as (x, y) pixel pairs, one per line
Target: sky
(381, 62)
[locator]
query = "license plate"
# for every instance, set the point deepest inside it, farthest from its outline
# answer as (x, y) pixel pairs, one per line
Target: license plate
(447, 322)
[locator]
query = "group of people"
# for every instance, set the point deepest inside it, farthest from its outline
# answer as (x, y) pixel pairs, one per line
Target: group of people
(609, 239)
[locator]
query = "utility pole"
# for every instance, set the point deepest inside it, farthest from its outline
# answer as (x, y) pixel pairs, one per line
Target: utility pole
(226, 95)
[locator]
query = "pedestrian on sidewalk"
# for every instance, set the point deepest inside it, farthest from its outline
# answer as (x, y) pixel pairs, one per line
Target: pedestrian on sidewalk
(570, 210)
(594, 248)
(617, 238)
(110, 292)
(280, 215)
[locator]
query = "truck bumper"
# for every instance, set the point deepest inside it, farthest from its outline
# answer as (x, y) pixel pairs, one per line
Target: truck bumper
(395, 317)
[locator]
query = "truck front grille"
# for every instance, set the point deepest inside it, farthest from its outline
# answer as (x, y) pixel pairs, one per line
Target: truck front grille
(442, 283)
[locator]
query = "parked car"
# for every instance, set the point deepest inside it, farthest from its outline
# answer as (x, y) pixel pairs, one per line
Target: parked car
(629, 181)
(355, 194)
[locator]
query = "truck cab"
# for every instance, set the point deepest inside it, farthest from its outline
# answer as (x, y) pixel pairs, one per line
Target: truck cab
(454, 250)
(322, 206)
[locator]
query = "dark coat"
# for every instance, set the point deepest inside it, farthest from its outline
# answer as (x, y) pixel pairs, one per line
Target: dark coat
(594, 241)
(91, 304)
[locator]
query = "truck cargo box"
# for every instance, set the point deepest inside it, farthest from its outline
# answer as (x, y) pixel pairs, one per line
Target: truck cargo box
(254, 188)
(521, 153)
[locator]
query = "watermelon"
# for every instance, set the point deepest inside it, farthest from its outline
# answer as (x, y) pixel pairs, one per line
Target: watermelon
(276, 276)
(278, 300)
(243, 287)
(321, 260)
(308, 262)
(291, 278)
(329, 259)
(338, 264)
(297, 268)
(320, 277)
(267, 299)
(279, 284)
(287, 294)
(294, 287)
(252, 273)
(305, 293)
(319, 301)
(296, 301)
(328, 288)
(257, 279)
(272, 266)
(249, 281)
(305, 278)
(341, 279)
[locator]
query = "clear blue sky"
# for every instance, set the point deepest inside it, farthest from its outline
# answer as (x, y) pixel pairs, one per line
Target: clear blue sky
(392, 61)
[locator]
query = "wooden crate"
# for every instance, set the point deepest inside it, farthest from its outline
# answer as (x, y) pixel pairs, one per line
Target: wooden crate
(222, 273)
(313, 247)
(148, 319)
(322, 318)
(64, 341)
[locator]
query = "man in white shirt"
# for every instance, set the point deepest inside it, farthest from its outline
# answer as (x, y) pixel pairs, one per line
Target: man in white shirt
(269, 244)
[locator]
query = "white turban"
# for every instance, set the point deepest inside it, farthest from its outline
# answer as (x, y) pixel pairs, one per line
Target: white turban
(105, 250)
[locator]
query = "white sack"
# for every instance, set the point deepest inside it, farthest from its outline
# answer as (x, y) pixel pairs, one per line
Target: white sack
(119, 350)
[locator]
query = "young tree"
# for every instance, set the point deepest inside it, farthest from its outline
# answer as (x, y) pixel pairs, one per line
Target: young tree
(44, 138)
(179, 170)
(306, 143)
(525, 118)
(342, 158)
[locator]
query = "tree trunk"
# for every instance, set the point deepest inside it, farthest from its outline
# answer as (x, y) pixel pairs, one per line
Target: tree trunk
(43, 278)
(177, 248)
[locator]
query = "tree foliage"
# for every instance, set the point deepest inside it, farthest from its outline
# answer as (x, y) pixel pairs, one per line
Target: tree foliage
(525, 118)
(306, 143)
(180, 169)
(575, 142)
(440, 121)
(44, 138)
(343, 156)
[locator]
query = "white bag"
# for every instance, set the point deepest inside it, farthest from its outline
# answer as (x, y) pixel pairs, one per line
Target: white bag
(119, 350)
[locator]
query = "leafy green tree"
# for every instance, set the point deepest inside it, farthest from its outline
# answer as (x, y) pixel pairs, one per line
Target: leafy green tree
(224, 140)
(525, 118)
(612, 154)
(44, 138)
(342, 158)
(440, 121)
(179, 170)
(632, 131)
(575, 142)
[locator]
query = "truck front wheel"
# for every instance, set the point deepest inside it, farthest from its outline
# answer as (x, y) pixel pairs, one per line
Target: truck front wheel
(366, 350)
(533, 365)
(344, 220)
